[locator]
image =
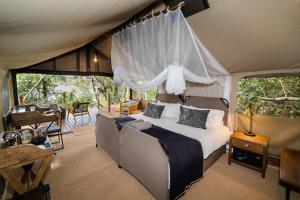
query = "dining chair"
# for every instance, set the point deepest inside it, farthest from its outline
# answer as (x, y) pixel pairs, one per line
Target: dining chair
(54, 128)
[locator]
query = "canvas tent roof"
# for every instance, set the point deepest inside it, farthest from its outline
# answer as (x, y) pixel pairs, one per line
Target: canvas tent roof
(33, 31)
(244, 35)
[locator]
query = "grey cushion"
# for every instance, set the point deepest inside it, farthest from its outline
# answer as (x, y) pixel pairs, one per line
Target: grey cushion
(79, 110)
(193, 118)
(52, 129)
(153, 110)
(135, 121)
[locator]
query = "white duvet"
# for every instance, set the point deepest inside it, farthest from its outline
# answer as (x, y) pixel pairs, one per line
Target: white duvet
(211, 138)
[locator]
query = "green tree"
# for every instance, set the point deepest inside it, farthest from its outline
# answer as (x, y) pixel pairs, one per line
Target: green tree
(118, 94)
(41, 92)
(266, 95)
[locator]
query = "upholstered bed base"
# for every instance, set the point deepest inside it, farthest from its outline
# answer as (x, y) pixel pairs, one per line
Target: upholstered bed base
(140, 154)
(108, 136)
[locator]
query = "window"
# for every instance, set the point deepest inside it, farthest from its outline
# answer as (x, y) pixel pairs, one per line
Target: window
(276, 96)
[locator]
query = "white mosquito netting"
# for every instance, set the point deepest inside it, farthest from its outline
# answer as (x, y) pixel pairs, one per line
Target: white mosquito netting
(164, 48)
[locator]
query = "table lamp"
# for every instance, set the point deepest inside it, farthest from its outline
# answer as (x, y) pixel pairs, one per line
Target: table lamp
(250, 133)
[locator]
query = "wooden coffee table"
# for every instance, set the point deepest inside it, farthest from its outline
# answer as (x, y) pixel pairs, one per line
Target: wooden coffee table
(290, 170)
(24, 155)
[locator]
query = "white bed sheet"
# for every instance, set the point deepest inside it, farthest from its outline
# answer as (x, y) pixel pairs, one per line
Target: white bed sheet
(211, 138)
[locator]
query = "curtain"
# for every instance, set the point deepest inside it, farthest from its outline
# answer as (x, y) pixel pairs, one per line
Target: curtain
(164, 49)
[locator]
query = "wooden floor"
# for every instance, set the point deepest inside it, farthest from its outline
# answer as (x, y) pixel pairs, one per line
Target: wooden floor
(69, 123)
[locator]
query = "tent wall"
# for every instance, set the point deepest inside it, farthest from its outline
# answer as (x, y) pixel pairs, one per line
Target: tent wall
(76, 62)
(4, 77)
(283, 131)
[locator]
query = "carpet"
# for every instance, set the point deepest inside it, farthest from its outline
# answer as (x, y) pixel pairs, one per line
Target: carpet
(82, 171)
(84, 129)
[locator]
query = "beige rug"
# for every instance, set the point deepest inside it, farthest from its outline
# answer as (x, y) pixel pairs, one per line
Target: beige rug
(84, 129)
(81, 171)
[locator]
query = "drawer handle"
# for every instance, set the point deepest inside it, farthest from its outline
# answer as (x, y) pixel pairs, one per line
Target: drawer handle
(246, 145)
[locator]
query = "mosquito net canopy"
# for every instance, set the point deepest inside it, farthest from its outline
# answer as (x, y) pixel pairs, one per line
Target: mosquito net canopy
(164, 49)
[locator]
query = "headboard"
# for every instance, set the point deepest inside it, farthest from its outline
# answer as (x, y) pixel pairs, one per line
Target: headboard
(200, 102)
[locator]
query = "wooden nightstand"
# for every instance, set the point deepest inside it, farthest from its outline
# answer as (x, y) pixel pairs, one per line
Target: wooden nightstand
(257, 145)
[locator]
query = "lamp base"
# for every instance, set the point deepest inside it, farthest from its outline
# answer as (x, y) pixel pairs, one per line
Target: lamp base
(250, 134)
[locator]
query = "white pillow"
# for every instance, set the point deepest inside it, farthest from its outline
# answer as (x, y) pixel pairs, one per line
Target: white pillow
(171, 111)
(214, 118)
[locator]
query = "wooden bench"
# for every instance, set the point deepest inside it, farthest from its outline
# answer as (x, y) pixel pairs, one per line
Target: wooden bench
(290, 170)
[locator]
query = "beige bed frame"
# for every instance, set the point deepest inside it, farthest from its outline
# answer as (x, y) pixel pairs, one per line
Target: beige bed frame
(141, 154)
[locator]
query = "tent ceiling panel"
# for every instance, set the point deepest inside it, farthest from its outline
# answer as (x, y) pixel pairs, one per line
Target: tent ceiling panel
(247, 35)
(66, 63)
(104, 45)
(33, 31)
(244, 35)
(251, 35)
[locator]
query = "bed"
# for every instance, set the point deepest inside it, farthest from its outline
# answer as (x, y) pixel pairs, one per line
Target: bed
(143, 155)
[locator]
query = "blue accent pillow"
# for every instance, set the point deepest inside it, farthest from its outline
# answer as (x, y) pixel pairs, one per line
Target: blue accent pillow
(154, 110)
(193, 118)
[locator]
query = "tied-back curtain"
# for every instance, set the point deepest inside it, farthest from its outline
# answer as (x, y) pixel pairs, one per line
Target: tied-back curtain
(164, 49)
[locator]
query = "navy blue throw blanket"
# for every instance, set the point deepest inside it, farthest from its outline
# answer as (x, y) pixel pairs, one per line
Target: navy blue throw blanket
(121, 121)
(185, 156)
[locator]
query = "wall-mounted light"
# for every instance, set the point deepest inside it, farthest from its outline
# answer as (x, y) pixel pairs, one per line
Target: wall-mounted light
(95, 59)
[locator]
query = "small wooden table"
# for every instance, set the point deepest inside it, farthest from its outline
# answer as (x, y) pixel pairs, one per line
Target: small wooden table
(290, 170)
(255, 144)
(22, 156)
(21, 117)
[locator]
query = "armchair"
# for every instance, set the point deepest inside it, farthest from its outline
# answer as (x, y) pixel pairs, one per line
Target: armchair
(79, 109)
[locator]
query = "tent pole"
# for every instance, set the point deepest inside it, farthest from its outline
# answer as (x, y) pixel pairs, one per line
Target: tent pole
(130, 93)
(15, 88)
(180, 5)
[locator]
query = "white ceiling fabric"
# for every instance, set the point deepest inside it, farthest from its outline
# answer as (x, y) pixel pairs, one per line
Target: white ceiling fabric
(32, 31)
(251, 35)
(243, 35)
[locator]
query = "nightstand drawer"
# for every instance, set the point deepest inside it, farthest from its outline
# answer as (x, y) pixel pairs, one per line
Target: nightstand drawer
(257, 148)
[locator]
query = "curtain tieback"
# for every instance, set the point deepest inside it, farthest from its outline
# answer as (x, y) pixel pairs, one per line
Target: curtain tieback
(175, 82)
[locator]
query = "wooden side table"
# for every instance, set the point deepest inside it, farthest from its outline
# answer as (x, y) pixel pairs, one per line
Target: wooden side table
(257, 145)
(290, 170)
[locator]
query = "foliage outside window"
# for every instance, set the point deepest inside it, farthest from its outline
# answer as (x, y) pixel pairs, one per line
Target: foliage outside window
(276, 96)
(148, 95)
(118, 93)
(38, 88)
(64, 90)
